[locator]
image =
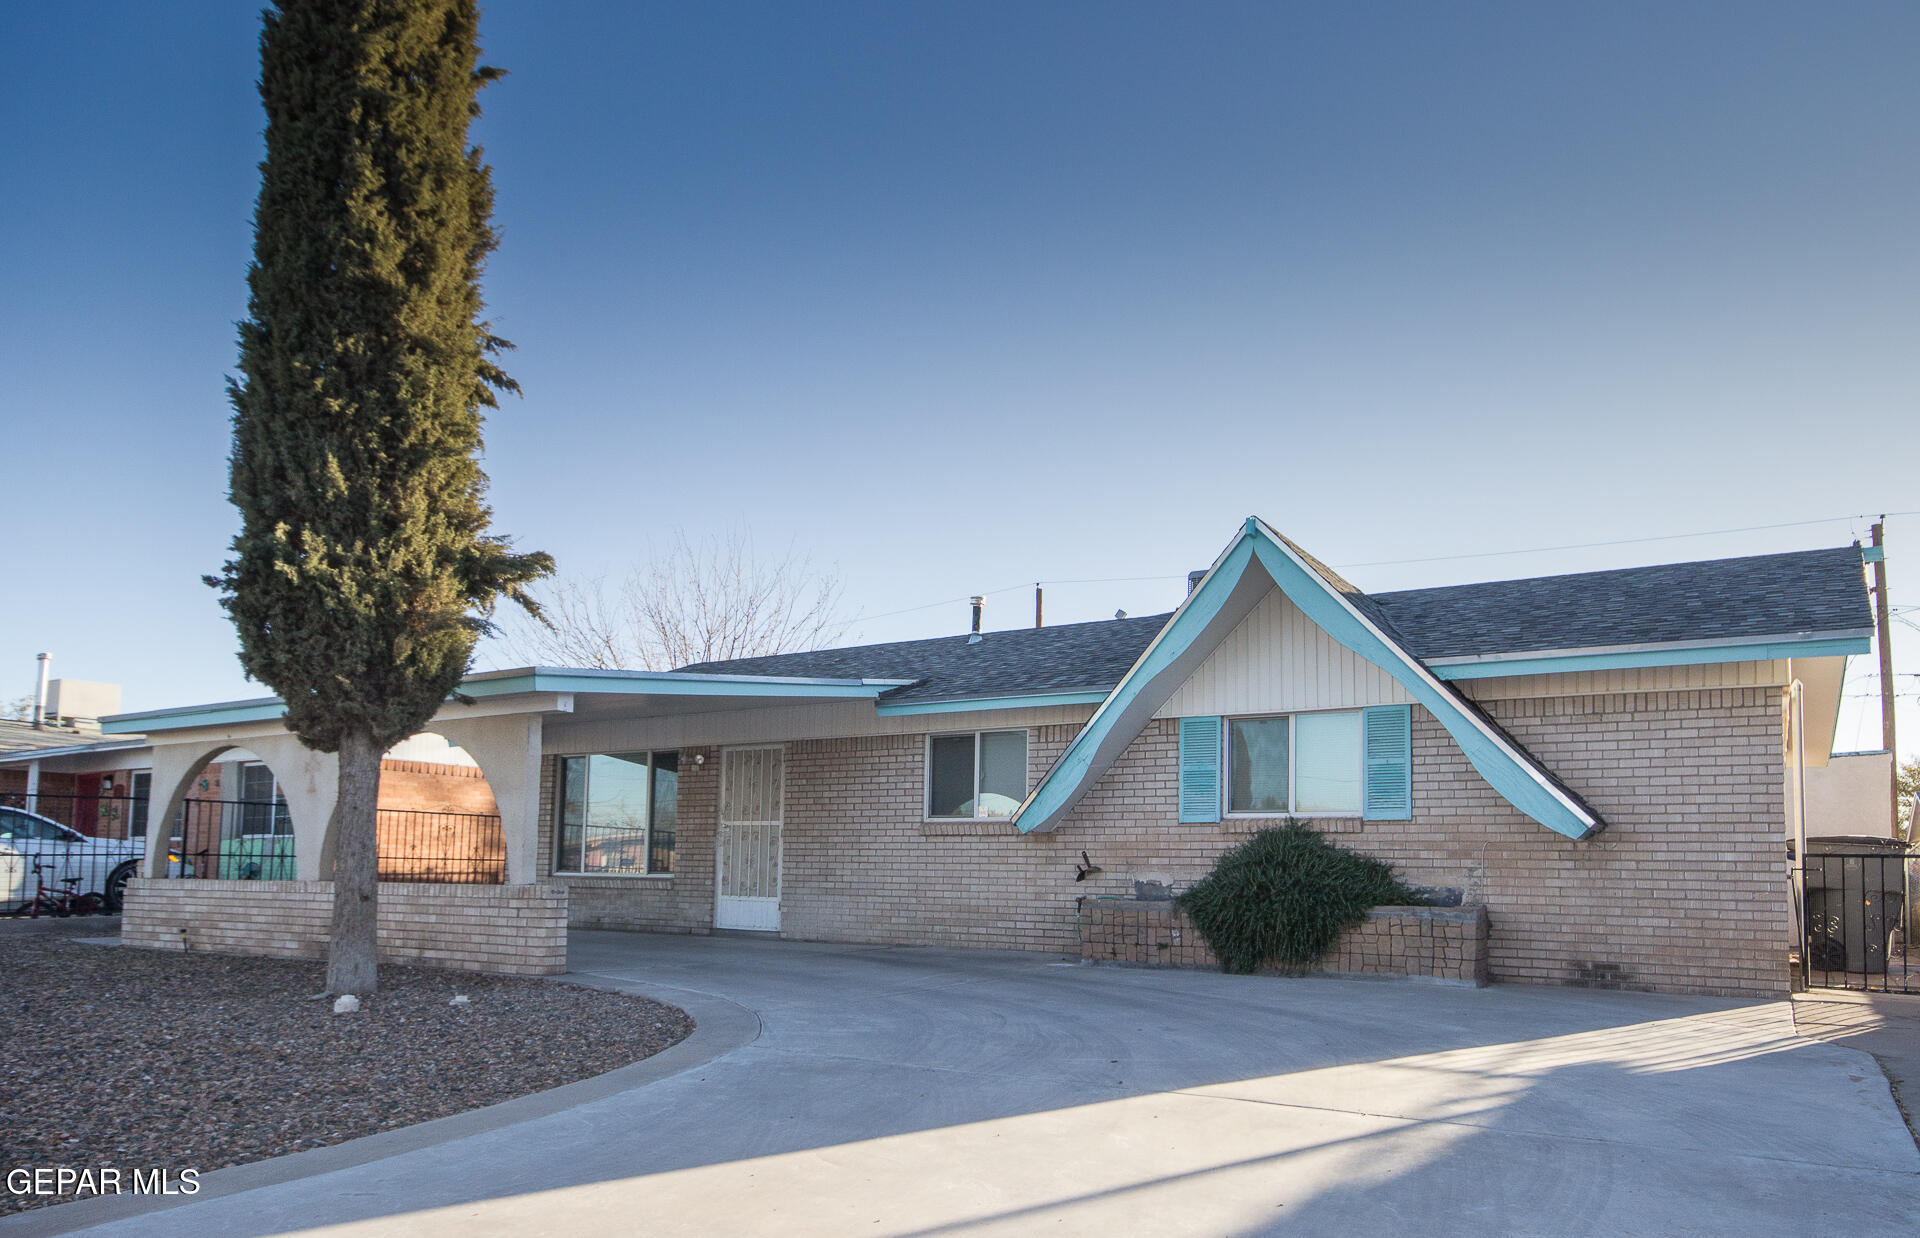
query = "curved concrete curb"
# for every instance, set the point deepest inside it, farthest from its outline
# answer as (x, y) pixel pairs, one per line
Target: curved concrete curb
(720, 1027)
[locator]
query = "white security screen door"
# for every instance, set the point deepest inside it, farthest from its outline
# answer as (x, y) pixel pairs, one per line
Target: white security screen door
(747, 851)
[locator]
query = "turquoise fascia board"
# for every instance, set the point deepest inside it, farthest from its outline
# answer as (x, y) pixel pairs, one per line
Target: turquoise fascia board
(1872, 554)
(666, 683)
(1833, 648)
(973, 703)
(1525, 788)
(1057, 788)
(198, 715)
(613, 683)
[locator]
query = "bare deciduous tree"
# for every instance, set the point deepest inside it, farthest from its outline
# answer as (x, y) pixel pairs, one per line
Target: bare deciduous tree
(697, 601)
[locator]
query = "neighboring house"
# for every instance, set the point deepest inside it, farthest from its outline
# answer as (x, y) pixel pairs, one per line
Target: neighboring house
(1602, 760)
(70, 772)
(1852, 794)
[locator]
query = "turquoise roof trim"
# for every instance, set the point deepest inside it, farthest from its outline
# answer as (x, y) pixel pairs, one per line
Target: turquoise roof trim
(1512, 771)
(1032, 700)
(530, 680)
(1563, 664)
(1062, 785)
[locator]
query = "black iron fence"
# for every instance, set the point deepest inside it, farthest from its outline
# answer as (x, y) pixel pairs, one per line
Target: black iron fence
(238, 840)
(454, 847)
(56, 850)
(232, 840)
(1858, 917)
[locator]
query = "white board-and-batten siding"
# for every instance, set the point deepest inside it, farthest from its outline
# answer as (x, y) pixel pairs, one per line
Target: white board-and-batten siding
(1278, 661)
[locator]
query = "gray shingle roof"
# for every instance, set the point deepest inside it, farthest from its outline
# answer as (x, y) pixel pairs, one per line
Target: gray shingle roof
(1067, 658)
(1718, 599)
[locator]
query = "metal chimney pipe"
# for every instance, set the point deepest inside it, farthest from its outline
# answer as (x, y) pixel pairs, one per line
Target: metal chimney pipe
(978, 604)
(40, 695)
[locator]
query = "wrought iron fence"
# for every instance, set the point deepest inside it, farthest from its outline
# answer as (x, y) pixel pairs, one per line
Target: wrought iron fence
(52, 844)
(453, 847)
(1857, 917)
(232, 840)
(58, 849)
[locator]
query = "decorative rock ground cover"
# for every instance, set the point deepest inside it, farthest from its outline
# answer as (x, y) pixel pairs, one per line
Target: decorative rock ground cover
(140, 1059)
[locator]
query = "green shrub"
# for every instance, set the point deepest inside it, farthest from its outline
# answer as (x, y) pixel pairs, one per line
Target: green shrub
(1283, 897)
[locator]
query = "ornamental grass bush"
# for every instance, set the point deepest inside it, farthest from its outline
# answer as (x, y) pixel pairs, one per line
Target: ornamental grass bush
(1283, 897)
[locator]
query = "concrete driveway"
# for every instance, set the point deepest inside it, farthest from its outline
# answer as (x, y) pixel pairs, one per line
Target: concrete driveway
(837, 1090)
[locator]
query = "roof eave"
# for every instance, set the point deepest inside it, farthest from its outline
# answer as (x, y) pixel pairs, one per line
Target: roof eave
(1514, 772)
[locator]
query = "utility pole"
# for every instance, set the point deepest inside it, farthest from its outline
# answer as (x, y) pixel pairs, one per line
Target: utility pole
(1883, 629)
(1037, 611)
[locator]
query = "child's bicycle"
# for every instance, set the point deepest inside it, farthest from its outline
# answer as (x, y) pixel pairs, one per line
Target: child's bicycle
(46, 902)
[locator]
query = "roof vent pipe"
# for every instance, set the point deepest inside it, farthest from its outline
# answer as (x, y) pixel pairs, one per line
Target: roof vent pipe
(979, 603)
(40, 695)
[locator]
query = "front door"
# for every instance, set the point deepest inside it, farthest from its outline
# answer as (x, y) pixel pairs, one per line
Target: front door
(747, 850)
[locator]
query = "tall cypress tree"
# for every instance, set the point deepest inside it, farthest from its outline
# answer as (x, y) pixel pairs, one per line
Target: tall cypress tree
(363, 571)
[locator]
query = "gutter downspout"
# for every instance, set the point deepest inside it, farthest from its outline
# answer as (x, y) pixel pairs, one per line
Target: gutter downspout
(33, 786)
(1796, 723)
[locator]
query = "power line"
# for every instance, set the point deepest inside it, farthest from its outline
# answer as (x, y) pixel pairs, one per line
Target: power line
(1622, 541)
(1481, 554)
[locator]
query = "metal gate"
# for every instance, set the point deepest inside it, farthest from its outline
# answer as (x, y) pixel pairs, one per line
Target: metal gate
(747, 851)
(1858, 917)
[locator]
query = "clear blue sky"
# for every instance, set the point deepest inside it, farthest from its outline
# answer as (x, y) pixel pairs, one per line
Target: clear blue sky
(969, 295)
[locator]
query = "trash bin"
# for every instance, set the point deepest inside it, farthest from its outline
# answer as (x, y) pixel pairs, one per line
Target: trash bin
(1856, 889)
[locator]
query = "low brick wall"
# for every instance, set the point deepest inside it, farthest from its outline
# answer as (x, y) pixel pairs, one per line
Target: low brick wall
(519, 930)
(1447, 944)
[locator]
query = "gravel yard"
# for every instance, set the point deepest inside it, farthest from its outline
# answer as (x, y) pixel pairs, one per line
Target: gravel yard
(141, 1059)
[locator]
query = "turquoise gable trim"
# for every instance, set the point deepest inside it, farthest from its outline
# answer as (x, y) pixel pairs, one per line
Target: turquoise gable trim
(1512, 772)
(1031, 701)
(1518, 781)
(1061, 785)
(1836, 648)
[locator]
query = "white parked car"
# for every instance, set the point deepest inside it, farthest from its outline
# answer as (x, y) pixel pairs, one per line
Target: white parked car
(101, 864)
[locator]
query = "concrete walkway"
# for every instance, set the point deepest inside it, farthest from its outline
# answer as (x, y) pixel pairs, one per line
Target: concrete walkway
(888, 1091)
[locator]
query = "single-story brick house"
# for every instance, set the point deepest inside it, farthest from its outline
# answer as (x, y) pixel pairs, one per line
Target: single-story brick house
(1605, 761)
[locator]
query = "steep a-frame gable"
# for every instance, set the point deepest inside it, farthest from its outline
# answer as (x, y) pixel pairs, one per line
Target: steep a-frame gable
(1256, 562)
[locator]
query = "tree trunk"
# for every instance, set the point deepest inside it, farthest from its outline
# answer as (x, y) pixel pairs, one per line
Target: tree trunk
(356, 888)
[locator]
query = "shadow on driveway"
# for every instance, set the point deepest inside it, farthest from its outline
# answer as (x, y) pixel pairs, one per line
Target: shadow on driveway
(907, 1091)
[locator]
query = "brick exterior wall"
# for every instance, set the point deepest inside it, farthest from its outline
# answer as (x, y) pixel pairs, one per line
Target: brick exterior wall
(425, 786)
(677, 902)
(1447, 944)
(518, 930)
(1685, 891)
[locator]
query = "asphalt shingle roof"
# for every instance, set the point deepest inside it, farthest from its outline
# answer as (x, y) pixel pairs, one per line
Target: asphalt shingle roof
(1717, 599)
(1069, 657)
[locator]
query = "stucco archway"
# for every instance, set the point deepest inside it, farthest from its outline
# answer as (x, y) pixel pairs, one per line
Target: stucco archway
(307, 780)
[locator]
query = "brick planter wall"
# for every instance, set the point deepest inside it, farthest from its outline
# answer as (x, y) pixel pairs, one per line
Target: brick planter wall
(1446, 944)
(518, 930)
